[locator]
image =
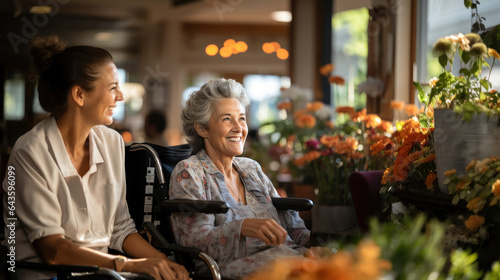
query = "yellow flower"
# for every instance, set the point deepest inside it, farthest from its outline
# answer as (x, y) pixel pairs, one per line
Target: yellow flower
(494, 53)
(474, 222)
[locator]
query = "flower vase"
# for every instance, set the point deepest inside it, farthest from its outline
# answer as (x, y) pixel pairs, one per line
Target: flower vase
(458, 142)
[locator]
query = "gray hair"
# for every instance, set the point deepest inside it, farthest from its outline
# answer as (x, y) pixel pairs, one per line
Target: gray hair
(201, 103)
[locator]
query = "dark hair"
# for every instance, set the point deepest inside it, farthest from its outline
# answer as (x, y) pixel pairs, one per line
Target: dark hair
(60, 68)
(157, 120)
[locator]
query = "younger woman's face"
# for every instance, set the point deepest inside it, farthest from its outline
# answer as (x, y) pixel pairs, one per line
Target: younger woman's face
(101, 102)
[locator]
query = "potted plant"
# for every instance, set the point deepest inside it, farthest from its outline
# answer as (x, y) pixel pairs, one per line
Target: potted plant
(467, 108)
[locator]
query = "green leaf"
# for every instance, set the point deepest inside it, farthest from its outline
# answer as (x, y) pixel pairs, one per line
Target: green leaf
(466, 57)
(467, 3)
(485, 84)
(455, 199)
(443, 60)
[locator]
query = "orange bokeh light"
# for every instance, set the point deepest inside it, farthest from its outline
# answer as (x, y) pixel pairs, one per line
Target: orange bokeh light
(211, 50)
(282, 54)
(226, 52)
(229, 42)
(127, 136)
(241, 46)
(276, 45)
(268, 48)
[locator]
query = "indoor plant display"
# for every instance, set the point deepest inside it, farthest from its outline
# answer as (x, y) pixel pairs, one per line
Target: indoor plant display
(470, 106)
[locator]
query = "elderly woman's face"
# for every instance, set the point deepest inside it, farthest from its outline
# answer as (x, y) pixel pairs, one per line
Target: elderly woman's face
(227, 128)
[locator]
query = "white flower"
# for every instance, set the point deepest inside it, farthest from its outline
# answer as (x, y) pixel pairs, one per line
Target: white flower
(296, 93)
(324, 113)
(373, 87)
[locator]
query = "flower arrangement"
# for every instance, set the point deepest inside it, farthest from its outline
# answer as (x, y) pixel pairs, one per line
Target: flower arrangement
(411, 156)
(319, 151)
(470, 92)
(362, 263)
(410, 250)
(480, 189)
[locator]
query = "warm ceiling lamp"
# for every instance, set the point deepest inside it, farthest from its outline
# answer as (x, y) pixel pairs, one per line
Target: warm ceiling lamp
(226, 52)
(276, 45)
(229, 42)
(282, 54)
(241, 46)
(211, 50)
(268, 48)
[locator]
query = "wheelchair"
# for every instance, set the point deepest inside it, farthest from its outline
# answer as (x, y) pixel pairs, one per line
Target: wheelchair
(148, 169)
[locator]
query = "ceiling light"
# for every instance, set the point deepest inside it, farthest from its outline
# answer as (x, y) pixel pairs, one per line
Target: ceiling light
(103, 36)
(282, 16)
(41, 10)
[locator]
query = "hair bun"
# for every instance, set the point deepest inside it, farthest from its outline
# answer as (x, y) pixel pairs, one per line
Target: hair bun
(43, 50)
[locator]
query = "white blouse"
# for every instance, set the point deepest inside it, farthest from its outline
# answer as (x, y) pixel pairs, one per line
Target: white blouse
(52, 198)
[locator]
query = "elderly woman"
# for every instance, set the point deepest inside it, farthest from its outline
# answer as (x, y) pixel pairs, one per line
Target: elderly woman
(252, 233)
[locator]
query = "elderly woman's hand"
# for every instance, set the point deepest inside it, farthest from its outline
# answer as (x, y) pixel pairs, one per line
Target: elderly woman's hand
(267, 230)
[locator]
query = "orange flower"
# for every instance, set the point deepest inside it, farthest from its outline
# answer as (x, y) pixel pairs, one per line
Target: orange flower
(429, 158)
(299, 113)
(329, 124)
(386, 126)
(329, 141)
(384, 144)
(495, 188)
(460, 185)
(305, 121)
(450, 172)
(372, 120)
(476, 204)
(474, 222)
(430, 112)
(286, 105)
(336, 80)
(326, 69)
(397, 105)
(471, 165)
(494, 53)
(307, 158)
(386, 176)
(314, 106)
(345, 109)
(358, 116)
(429, 181)
(412, 110)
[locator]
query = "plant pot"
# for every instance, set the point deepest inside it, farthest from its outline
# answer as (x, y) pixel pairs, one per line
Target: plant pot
(458, 142)
(340, 220)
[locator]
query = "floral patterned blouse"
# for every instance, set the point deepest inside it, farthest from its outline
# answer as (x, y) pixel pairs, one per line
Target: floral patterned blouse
(219, 235)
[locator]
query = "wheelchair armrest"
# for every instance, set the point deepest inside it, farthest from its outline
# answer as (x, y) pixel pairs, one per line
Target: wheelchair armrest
(159, 242)
(292, 203)
(194, 206)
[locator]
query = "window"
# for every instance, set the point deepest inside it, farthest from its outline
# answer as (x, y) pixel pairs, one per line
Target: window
(14, 96)
(434, 23)
(350, 50)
